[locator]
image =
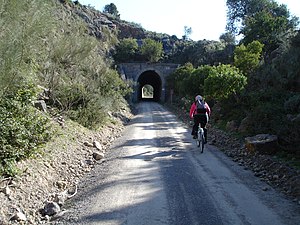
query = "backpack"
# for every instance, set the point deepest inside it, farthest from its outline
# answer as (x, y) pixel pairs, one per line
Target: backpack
(200, 107)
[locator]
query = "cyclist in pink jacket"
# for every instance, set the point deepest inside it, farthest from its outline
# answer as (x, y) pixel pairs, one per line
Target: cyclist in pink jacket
(200, 113)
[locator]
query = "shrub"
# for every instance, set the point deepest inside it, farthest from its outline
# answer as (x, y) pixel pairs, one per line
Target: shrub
(224, 81)
(151, 50)
(292, 105)
(247, 58)
(23, 26)
(126, 50)
(23, 129)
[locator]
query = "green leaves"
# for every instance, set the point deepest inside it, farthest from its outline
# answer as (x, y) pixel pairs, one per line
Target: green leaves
(224, 81)
(247, 58)
(23, 129)
(111, 9)
(215, 82)
(23, 26)
(262, 20)
(151, 50)
(43, 44)
(126, 50)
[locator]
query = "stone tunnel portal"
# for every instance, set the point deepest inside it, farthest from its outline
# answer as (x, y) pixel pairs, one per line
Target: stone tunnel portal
(151, 78)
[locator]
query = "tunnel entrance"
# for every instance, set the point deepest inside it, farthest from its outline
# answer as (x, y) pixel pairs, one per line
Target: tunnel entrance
(147, 91)
(149, 86)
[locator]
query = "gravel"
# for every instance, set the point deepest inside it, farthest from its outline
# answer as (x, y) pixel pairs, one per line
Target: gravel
(50, 178)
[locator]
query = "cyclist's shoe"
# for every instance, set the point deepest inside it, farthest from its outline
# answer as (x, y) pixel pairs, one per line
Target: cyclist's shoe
(195, 137)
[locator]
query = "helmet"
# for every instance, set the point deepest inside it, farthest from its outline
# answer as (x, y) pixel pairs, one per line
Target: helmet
(198, 98)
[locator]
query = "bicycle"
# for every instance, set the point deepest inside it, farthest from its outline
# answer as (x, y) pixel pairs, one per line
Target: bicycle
(200, 138)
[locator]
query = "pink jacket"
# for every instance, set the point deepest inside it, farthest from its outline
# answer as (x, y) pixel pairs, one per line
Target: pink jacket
(194, 107)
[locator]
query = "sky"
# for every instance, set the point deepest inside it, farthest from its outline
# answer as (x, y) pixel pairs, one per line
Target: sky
(207, 18)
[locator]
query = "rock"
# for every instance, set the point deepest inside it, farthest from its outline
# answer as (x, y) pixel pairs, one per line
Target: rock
(19, 216)
(60, 198)
(231, 126)
(88, 144)
(97, 145)
(61, 184)
(98, 155)
(51, 208)
(262, 143)
(7, 191)
(89, 162)
(243, 128)
(265, 189)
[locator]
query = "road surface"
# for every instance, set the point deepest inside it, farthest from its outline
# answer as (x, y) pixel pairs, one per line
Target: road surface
(155, 175)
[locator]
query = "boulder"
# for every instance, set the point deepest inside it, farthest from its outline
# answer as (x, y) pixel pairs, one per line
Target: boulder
(97, 145)
(19, 216)
(244, 125)
(51, 208)
(98, 155)
(262, 143)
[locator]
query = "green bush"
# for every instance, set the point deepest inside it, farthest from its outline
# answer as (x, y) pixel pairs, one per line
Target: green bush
(23, 129)
(247, 57)
(152, 50)
(292, 105)
(224, 81)
(126, 50)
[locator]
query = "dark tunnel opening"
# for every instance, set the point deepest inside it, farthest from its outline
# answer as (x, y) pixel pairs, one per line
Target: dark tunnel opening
(152, 79)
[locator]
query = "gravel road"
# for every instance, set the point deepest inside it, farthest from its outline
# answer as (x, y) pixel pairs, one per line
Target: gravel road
(155, 174)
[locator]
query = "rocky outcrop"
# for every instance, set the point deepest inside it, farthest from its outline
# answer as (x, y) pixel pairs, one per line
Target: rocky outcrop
(262, 143)
(98, 22)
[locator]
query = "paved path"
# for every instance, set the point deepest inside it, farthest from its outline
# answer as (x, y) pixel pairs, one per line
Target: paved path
(155, 175)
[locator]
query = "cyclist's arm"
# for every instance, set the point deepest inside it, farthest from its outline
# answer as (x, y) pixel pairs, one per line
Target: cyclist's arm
(208, 109)
(192, 110)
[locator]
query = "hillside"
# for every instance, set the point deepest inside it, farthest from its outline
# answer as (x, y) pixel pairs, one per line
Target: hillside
(62, 62)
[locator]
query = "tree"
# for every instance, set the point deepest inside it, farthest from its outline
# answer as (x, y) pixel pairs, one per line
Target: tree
(126, 50)
(238, 10)
(111, 9)
(224, 81)
(176, 79)
(228, 38)
(262, 20)
(247, 58)
(187, 33)
(266, 28)
(151, 50)
(193, 83)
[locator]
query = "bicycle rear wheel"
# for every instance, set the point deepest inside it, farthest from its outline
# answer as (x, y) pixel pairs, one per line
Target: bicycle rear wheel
(200, 141)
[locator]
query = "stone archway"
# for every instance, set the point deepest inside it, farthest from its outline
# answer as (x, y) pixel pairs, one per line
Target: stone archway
(141, 74)
(153, 79)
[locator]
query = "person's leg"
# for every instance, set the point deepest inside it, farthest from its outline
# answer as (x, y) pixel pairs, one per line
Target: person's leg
(203, 125)
(205, 135)
(195, 127)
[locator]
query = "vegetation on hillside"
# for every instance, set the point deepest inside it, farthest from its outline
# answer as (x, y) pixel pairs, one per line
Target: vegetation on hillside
(128, 50)
(256, 86)
(46, 51)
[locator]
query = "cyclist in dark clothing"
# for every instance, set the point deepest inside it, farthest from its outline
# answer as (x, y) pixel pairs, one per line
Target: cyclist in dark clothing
(200, 113)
